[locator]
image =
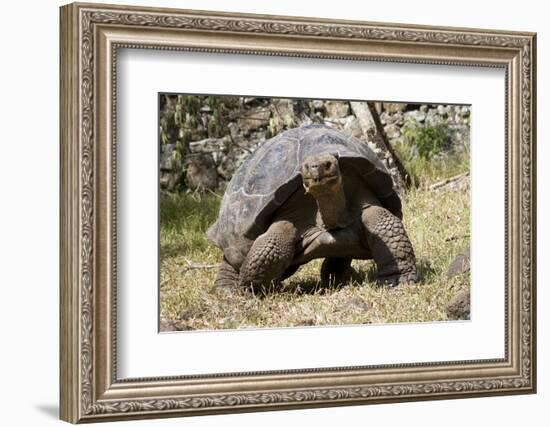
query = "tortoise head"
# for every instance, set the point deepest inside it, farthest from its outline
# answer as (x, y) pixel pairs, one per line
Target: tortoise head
(321, 174)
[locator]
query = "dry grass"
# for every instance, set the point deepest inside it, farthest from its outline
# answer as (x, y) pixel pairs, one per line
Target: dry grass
(437, 223)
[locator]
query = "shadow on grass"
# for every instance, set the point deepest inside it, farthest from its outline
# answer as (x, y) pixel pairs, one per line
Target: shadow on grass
(314, 286)
(358, 277)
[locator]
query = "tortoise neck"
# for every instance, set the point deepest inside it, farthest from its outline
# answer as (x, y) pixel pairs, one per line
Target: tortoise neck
(332, 209)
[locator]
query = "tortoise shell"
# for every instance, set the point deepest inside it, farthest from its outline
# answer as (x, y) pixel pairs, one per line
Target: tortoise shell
(272, 173)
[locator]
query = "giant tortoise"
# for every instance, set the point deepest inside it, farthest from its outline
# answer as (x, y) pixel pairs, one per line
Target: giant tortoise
(310, 192)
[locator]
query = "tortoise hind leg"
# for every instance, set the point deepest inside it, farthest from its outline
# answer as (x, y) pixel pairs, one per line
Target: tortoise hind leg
(335, 270)
(270, 256)
(390, 246)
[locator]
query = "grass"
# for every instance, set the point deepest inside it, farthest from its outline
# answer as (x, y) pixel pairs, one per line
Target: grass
(184, 219)
(424, 161)
(438, 224)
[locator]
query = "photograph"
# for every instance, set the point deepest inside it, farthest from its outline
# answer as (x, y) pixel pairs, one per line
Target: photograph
(289, 212)
(263, 212)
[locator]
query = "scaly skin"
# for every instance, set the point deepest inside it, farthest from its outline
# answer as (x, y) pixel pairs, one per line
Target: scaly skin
(270, 256)
(322, 178)
(390, 246)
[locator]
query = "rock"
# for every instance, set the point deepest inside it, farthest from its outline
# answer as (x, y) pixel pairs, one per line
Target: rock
(201, 172)
(210, 145)
(168, 325)
(317, 105)
(352, 127)
(335, 123)
(416, 115)
(399, 119)
(434, 119)
(459, 306)
(233, 129)
(337, 109)
(392, 131)
(228, 163)
(170, 169)
(168, 180)
(442, 110)
(166, 157)
(282, 108)
(460, 265)
(253, 119)
(282, 116)
(392, 107)
(395, 118)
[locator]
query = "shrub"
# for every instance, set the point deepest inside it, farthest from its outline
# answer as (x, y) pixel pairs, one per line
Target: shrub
(428, 140)
(425, 153)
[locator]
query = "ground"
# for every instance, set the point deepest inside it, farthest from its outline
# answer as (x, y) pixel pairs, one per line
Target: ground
(438, 224)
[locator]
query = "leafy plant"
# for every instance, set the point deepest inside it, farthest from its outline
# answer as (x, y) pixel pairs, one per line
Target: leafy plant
(424, 153)
(428, 140)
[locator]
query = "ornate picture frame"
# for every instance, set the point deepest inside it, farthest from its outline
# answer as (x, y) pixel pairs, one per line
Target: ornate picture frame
(90, 37)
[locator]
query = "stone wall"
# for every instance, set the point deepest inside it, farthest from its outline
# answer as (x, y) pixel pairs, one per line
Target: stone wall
(205, 139)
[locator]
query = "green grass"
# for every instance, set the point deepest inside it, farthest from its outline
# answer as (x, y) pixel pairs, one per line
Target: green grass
(184, 219)
(438, 224)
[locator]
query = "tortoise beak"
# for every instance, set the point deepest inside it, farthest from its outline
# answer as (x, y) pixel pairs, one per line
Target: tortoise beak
(313, 182)
(315, 175)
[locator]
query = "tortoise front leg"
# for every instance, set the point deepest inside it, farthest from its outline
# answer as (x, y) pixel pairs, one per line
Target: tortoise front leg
(390, 246)
(270, 255)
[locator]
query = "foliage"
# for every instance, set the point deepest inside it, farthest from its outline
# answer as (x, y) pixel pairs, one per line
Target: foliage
(438, 164)
(186, 118)
(184, 220)
(428, 140)
(278, 124)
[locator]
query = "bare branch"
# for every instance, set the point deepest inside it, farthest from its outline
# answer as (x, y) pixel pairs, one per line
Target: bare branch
(448, 181)
(194, 266)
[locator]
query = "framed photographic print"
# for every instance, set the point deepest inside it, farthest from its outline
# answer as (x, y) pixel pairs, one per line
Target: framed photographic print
(267, 212)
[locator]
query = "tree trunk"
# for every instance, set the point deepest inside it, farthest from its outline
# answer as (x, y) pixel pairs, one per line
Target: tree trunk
(371, 126)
